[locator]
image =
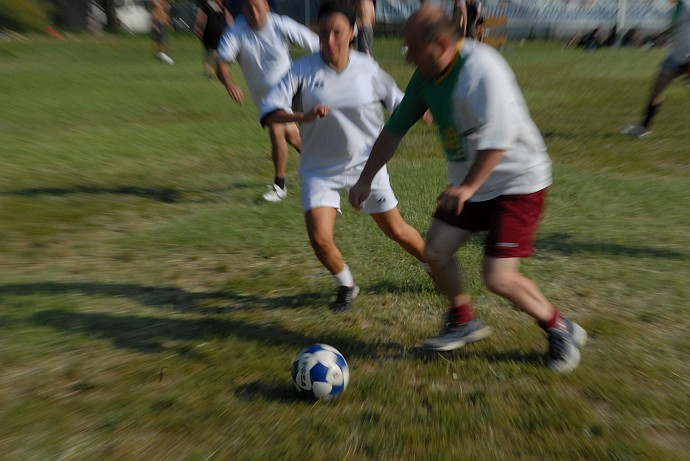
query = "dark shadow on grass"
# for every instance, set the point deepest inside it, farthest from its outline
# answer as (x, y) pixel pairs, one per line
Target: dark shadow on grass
(518, 356)
(215, 302)
(272, 391)
(565, 244)
(487, 355)
(568, 135)
(153, 334)
(160, 194)
(388, 286)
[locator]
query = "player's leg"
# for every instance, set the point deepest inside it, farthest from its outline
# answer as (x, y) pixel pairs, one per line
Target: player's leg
(502, 276)
(667, 73)
(442, 242)
(292, 136)
(382, 205)
(663, 79)
(321, 230)
(279, 154)
(459, 326)
(511, 237)
(396, 229)
(565, 337)
(209, 62)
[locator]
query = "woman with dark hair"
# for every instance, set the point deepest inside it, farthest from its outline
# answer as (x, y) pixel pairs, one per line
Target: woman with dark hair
(338, 97)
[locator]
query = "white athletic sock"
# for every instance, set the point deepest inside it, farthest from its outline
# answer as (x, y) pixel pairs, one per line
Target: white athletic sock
(344, 277)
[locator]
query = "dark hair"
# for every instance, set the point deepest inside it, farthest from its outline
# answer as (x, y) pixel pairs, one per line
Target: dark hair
(329, 7)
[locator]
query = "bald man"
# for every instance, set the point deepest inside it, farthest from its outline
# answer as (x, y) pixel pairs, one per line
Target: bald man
(499, 172)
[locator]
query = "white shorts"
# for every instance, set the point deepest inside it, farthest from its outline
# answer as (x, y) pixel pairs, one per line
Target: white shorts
(324, 191)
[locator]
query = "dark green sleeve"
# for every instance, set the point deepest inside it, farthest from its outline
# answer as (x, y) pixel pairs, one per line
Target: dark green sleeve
(410, 109)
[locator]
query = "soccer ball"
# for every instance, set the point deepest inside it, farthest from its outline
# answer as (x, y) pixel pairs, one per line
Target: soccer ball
(320, 372)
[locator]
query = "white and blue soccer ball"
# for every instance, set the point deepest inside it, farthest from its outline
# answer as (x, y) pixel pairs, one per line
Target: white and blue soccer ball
(320, 372)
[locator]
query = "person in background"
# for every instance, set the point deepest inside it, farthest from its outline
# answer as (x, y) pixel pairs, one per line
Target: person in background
(212, 18)
(499, 172)
(366, 20)
(339, 96)
(260, 42)
(676, 64)
(468, 13)
(160, 25)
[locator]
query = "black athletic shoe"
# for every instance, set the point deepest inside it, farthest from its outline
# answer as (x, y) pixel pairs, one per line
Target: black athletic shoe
(343, 298)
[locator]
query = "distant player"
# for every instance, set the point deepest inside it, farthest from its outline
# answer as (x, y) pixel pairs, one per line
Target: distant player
(260, 42)
(468, 13)
(676, 64)
(160, 25)
(366, 19)
(339, 96)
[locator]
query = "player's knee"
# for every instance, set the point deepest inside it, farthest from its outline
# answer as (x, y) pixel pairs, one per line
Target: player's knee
(435, 253)
(396, 233)
(321, 241)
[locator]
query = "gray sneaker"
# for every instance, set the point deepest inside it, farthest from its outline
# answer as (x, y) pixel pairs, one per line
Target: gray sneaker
(343, 298)
(565, 342)
(637, 131)
(456, 336)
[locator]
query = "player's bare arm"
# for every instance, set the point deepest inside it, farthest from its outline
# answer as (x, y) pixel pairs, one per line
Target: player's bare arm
(283, 116)
(234, 90)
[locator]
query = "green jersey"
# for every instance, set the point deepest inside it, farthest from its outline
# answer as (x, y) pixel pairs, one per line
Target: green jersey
(424, 94)
(478, 106)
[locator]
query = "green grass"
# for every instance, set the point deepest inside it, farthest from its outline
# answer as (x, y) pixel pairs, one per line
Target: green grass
(150, 309)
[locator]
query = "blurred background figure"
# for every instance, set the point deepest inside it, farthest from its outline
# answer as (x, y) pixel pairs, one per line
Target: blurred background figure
(631, 37)
(676, 64)
(366, 20)
(211, 20)
(468, 14)
(160, 24)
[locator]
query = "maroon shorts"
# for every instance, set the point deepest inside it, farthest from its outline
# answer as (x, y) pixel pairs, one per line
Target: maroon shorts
(511, 222)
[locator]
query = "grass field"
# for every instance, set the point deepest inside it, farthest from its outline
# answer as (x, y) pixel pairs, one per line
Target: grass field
(150, 309)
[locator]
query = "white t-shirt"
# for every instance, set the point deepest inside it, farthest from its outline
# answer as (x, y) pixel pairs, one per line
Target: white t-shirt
(264, 54)
(356, 96)
(491, 113)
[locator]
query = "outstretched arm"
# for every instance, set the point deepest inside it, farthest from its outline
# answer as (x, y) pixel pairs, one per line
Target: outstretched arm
(233, 89)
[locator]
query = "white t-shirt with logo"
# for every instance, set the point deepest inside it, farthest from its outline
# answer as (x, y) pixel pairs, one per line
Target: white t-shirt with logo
(356, 97)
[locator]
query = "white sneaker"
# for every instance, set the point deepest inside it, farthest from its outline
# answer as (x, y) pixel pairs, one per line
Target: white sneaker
(635, 130)
(275, 193)
(165, 58)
